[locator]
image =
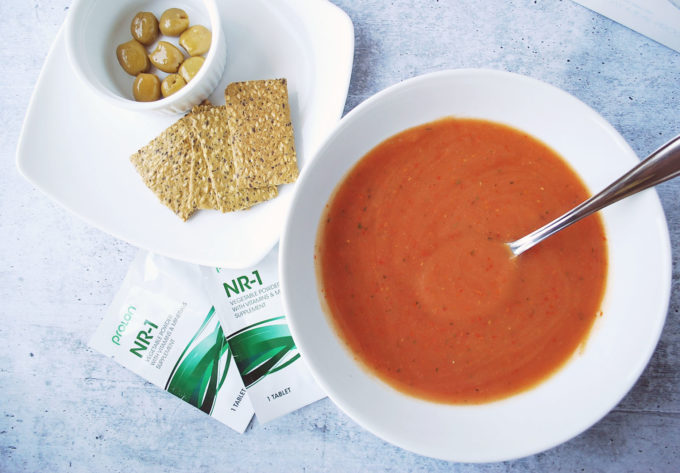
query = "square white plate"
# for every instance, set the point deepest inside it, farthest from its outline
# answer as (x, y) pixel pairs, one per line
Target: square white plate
(75, 147)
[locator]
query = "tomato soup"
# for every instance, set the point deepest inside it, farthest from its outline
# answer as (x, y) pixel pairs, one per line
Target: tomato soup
(417, 279)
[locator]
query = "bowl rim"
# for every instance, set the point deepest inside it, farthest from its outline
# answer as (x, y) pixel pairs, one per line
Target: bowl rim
(80, 7)
(287, 263)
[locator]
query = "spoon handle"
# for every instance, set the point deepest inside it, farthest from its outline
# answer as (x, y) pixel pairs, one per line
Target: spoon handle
(662, 165)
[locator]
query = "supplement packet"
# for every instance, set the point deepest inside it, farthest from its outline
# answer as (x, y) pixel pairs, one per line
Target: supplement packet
(249, 306)
(162, 326)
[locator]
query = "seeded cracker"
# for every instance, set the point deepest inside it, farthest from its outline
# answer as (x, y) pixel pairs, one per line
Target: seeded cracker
(261, 133)
(165, 166)
(212, 132)
(146, 159)
(201, 191)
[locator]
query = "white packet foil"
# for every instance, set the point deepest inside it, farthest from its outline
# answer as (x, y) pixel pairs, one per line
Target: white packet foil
(248, 303)
(162, 326)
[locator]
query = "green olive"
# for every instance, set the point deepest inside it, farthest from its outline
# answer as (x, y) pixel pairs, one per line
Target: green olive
(174, 21)
(190, 67)
(196, 40)
(132, 57)
(146, 88)
(172, 84)
(144, 28)
(167, 57)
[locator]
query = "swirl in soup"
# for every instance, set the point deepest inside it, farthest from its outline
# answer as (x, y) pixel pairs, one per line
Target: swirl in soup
(416, 277)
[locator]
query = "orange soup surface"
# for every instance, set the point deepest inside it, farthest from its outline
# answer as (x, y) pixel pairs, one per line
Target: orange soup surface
(418, 281)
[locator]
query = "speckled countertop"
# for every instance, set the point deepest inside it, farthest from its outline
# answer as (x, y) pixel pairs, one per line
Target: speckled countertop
(65, 408)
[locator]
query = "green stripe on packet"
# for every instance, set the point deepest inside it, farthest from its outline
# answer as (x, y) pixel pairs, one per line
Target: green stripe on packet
(162, 326)
(248, 304)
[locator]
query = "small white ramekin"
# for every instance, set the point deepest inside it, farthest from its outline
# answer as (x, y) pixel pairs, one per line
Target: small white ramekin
(95, 28)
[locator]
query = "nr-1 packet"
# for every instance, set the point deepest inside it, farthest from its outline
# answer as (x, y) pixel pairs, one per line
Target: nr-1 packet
(248, 303)
(162, 326)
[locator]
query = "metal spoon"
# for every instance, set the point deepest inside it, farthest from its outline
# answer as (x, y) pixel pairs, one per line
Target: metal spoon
(662, 165)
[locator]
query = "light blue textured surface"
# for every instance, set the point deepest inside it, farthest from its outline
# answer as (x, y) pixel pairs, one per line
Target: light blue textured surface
(66, 408)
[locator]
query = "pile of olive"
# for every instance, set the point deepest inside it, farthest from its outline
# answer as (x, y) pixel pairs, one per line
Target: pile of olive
(166, 57)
